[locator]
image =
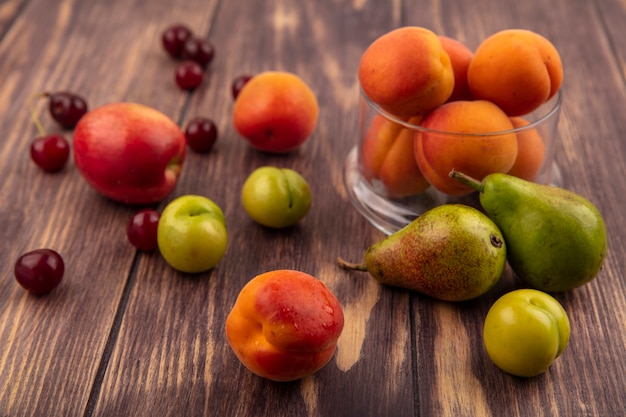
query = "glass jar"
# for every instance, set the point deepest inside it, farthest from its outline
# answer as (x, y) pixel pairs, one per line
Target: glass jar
(390, 213)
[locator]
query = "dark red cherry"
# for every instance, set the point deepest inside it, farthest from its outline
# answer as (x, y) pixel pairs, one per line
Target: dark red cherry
(142, 229)
(238, 84)
(198, 50)
(50, 152)
(66, 108)
(174, 37)
(39, 271)
(189, 75)
(201, 134)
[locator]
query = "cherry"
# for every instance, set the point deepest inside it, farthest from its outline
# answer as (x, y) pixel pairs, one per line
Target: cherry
(238, 84)
(142, 229)
(50, 152)
(39, 271)
(173, 38)
(189, 75)
(201, 134)
(198, 50)
(66, 108)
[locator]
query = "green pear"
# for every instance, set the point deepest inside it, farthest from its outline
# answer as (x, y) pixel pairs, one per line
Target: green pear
(556, 239)
(452, 252)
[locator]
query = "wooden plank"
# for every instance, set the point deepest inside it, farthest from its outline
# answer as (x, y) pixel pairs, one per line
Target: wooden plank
(45, 340)
(172, 343)
(127, 335)
(52, 347)
(9, 10)
(612, 15)
(455, 376)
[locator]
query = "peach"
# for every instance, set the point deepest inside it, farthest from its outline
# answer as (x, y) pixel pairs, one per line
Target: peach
(284, 325)
(465, 136)
(460, 57)
(516, 69)
(530, 151)
(406, 71)
(387, 155)
(275, 111)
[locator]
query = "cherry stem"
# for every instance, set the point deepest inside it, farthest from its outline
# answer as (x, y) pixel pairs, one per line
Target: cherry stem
(33, 113)
(467, 180)
(349, 265)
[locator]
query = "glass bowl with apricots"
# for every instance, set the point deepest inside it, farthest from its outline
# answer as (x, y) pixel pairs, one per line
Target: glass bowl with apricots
(430, 105)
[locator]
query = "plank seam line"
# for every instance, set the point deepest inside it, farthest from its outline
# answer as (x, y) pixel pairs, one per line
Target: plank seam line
(94, 395)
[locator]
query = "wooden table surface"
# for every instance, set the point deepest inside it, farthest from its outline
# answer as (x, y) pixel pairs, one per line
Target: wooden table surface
(126, 335)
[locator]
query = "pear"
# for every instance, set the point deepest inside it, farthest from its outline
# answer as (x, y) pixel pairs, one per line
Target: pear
(452, 252)
(556, 239)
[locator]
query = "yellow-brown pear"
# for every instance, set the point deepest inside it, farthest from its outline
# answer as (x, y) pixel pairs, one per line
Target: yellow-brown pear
(452, 252)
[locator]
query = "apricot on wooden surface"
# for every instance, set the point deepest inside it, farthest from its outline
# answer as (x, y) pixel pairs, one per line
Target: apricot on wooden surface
(517, 69)
(464, 136)
(530, 151)
(284, 325)
(460, 57)
(276, 111)
(406, 71)
(387, 155)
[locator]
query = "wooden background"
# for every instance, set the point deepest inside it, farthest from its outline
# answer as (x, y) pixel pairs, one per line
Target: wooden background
(125, 335)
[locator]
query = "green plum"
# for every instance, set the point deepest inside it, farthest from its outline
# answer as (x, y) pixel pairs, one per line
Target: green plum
(191, 234)
(276, 197)
(525, 331)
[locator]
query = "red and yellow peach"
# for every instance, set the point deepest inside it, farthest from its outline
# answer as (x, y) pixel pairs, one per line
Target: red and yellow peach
(284, 325)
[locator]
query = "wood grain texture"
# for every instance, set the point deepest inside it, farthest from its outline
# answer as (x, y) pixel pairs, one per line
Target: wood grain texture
(127, 335)
(588, 123)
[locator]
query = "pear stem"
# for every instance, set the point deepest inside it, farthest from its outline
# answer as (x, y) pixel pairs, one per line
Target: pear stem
(467, 180)
(349, 265)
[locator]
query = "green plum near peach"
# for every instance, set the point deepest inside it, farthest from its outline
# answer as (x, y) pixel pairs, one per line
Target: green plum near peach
(525, 331)
(191, 234)
(276, 197)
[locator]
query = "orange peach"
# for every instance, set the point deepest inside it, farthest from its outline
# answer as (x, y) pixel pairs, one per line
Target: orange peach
(460, 57)
(275, 111)
(378, 140)
(406, 71)
(284, 325)
(517, 69)
(464, 135)
(530, 151)
(387, 155)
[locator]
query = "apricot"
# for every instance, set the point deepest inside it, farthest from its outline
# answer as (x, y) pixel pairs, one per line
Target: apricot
(406, 71)
(516, 69)
(275, 111)
(284, 325)
(387, 155)
(460, 57)
(530, 151)
(472, 137)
